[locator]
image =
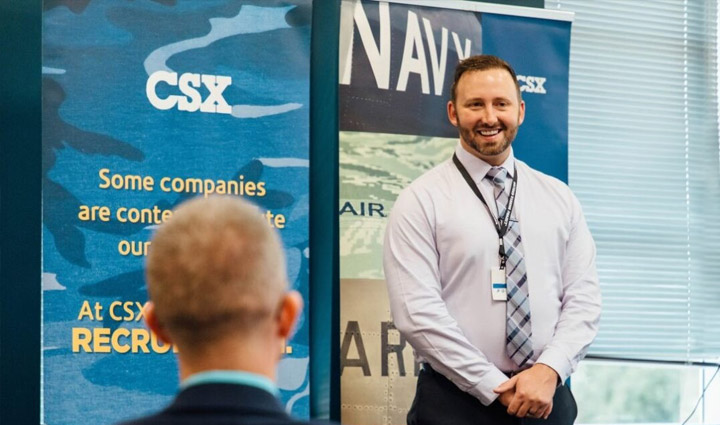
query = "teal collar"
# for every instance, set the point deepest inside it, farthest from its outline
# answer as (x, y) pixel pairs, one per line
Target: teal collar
(231, 377)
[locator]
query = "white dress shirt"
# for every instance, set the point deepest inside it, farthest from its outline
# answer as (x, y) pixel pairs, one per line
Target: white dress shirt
(440, 246)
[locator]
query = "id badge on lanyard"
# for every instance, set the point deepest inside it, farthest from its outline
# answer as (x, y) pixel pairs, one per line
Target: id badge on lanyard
(497, 274)
(499, 285)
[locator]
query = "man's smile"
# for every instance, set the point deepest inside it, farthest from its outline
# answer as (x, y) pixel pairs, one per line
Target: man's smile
(490, 132)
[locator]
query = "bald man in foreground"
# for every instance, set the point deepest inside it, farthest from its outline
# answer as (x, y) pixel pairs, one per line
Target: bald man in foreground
(218, 291)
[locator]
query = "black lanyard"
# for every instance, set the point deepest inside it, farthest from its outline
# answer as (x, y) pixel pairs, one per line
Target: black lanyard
(503, 224)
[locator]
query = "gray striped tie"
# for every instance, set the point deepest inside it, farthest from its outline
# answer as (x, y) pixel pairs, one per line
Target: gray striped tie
(519, 331)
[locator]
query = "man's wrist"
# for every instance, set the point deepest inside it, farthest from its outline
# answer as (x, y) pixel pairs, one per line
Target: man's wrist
(557, 360)
(484, 389)
(550, 372)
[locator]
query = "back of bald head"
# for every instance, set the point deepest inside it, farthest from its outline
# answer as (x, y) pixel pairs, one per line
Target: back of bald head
(216, 268)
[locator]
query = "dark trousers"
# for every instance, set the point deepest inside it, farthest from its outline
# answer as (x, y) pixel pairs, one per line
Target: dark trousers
(439, 402)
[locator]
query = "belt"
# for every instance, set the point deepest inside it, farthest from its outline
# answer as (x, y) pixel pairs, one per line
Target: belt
(510, 374)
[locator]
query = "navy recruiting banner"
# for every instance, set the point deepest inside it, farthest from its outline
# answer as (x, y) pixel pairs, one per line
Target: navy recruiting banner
(148, 103)
(396, 65)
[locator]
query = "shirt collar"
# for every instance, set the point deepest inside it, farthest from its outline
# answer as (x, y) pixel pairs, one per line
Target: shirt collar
(478, 168)
(231, 377)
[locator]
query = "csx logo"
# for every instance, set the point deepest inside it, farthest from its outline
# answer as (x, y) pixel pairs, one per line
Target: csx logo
(532, 84)
(127, 311)
(188, 84)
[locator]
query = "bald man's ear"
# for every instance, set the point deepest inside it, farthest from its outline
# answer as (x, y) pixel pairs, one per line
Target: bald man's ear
(290, 307)
(152, 322)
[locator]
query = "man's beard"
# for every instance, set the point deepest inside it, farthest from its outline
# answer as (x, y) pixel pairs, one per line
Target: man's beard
(468, 135)
(486, 150)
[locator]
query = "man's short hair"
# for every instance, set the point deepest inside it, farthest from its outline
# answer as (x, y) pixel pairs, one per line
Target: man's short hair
(481, 63)
(216, 267)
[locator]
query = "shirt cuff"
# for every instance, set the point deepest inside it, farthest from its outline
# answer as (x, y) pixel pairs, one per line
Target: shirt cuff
(558, 361)
(483, 391)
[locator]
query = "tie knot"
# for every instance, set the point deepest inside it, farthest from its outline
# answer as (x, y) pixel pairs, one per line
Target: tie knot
(497, 175)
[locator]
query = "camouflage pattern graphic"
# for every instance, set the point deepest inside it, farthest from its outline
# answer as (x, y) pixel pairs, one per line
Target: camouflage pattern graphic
(180, 89)
(374, 168)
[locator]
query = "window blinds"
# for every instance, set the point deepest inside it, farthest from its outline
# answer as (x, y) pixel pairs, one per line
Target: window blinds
(644, 157)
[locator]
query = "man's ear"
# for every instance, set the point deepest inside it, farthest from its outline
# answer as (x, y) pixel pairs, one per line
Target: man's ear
(290, 307)
(452, 113)
(152, 322)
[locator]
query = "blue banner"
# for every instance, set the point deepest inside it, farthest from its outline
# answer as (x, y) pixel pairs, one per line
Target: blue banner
(146, 104)
(539, 51)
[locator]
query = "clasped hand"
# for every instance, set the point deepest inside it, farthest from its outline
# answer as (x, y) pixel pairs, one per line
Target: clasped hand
(530, 392)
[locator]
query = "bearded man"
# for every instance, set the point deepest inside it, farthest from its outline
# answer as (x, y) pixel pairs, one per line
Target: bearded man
(490, 269)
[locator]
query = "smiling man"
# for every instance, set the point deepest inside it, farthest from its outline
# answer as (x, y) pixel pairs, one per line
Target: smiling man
(490, 268)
